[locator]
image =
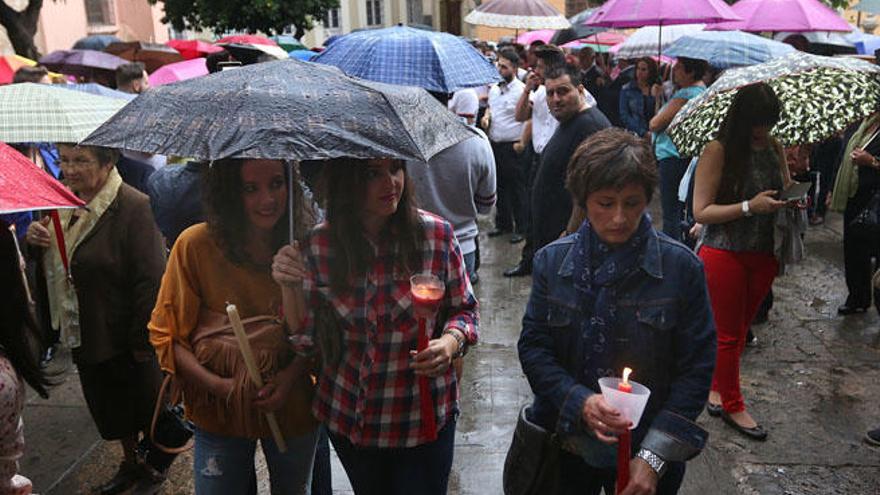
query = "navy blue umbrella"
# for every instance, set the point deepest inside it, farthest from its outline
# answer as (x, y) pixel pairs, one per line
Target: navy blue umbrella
(405, 56)
(96, 42)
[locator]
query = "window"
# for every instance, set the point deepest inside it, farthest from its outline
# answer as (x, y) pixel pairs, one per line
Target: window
(100, 12)
(331, 19)
(374, 12)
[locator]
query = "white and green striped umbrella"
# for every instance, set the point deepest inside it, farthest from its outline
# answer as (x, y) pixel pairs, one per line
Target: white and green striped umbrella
(819, 97)
(43, 113)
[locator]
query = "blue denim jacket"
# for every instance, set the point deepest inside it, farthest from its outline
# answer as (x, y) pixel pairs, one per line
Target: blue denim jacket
(633, 105)
(665, 332)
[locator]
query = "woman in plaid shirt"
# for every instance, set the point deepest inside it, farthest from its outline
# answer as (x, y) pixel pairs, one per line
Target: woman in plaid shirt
(353, 281)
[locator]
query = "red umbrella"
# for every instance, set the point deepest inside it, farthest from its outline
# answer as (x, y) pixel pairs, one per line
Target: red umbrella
(191, 49)
(26, 187)
(247, 39)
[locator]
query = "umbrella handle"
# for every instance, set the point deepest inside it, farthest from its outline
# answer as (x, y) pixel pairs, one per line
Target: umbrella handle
(59, 238)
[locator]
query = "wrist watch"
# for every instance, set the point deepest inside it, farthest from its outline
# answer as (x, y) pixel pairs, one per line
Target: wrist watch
(458, 335)
(745, 208)
(653, 460)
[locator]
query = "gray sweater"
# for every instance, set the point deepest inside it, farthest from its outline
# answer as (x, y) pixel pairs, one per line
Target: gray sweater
(458, 183)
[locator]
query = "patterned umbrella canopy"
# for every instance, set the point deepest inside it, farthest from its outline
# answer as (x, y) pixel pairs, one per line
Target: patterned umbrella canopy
(819, 95)
(42, 113)
(26, 187)
(411, 57)
(725, 49)
(518, 14)
(283, 110)
(869, 6)
(643, 42)
(152, 55)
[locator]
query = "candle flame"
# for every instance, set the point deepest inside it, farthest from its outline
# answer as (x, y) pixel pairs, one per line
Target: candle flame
(626, 373)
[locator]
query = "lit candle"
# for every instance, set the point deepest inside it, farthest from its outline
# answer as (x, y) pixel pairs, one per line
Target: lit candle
(624, 385)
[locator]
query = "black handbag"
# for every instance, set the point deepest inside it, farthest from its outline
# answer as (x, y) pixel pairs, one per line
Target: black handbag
(867, 222)
(532, 463)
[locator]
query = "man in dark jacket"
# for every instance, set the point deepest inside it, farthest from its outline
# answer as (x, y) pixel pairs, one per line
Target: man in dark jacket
(551, 203)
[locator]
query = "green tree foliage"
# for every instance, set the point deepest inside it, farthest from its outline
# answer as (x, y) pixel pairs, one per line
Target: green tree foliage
(267, 16)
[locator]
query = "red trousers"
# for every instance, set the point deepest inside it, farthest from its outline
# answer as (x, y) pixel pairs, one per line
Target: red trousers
(738, 282)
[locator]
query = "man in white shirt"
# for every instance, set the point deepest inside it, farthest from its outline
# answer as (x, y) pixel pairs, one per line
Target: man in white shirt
(504, 131)
(466, 104)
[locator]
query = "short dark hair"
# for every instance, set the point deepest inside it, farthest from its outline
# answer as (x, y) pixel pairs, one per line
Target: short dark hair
(559, 70)
(695, 67)
(612, 158)
(550, 54)
(535, 44)
(126, 73)
(510, 55)
(33, 74)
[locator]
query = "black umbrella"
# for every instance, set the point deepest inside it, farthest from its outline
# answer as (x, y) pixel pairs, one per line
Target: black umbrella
(283, 110)
(577, 30)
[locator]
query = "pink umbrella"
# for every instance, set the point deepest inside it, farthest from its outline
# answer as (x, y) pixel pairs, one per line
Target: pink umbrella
(247, 39)
(609, 38)
(638, 13)
(26, 187)
(530, 37)
(783, 15)
(180, 71)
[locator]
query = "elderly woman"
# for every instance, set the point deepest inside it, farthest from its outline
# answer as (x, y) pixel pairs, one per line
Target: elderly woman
(101, 299)
(617, 294)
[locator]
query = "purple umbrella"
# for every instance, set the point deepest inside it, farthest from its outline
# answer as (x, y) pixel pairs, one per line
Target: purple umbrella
(639, 13)
(81, 62)
(783, 15)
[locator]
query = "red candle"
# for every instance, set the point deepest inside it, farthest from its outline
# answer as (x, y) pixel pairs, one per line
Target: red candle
(623, 441)
(427, 292)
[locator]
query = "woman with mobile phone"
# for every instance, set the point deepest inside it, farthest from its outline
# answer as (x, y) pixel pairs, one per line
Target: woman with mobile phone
(738, 180)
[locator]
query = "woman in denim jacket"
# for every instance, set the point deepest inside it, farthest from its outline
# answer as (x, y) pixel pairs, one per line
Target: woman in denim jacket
(618, 293)
(639, 97)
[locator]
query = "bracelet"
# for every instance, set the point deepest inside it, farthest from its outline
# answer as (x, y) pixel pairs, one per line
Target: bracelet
(458, 335)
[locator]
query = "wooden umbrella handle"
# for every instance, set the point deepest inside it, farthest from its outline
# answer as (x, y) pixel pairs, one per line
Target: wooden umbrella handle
(254, 371)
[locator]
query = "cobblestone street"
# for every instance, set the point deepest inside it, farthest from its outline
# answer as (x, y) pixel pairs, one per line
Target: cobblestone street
(810, 381)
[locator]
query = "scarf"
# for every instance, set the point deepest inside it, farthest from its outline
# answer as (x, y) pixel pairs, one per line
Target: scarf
(847, 181)
(601, 270)
(63, 304)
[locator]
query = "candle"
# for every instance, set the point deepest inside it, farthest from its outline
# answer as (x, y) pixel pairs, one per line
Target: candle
(624, 385)
(427, 291)
(427, 294)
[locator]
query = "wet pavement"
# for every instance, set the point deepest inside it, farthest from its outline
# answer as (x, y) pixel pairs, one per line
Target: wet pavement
(810, 381)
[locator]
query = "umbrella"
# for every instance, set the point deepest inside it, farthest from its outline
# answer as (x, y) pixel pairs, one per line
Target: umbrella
(180, 71)
(725, 49)
(246, 39)
(26, 187)
(818, 37)
(332, 39)
(81, 62)
(43, 113)
(604, 39)
(289, 43)
(97, 89)
(638, 13)
(578, 29)
(304, 55)
(643, 42)
(251, 54)
(819, 95)
(869, 6)
(517, 14)
(152, 55)
(530, 37)
(783, 15)
(95, 42)
(283, 110)
(411, 57)
(190, 49)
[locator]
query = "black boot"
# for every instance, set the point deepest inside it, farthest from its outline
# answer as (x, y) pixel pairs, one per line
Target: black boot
(128, 473)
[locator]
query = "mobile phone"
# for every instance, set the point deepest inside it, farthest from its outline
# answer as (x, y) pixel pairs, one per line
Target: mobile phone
(795, 192)
(231, 64)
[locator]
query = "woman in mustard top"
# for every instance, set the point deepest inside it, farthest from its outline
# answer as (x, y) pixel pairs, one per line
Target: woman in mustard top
(228, 260)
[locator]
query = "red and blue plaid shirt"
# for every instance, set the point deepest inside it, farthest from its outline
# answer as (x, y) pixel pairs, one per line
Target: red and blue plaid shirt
(372, 395)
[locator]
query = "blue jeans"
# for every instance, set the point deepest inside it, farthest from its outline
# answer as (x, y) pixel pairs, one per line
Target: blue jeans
(671, 172)
(421, 470)
(225, 465)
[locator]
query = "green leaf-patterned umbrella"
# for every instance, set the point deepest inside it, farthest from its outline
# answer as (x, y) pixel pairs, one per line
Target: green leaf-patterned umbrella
(819, 96)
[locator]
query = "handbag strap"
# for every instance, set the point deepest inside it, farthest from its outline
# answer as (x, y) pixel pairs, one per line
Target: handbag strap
(157, 410)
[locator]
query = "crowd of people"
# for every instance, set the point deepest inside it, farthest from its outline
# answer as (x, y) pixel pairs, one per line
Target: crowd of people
(566, 148)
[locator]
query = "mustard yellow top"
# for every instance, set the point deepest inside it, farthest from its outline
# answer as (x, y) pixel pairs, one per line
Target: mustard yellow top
(198, 278)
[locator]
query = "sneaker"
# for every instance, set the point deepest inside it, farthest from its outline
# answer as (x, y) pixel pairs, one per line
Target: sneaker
(873, 437)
